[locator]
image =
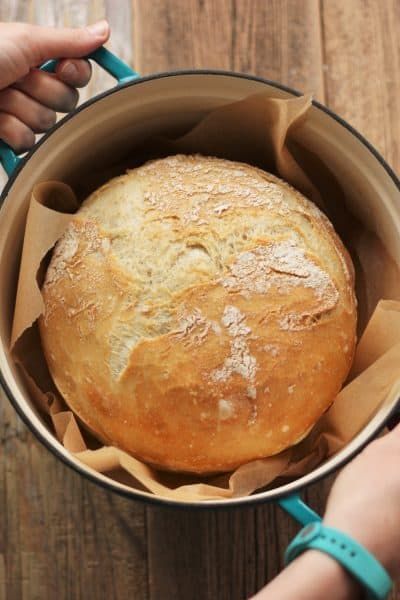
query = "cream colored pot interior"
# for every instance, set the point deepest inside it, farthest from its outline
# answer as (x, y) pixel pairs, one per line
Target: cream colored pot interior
(104, 130)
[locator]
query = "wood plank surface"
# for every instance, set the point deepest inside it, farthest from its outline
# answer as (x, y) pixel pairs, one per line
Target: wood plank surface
(62, 537)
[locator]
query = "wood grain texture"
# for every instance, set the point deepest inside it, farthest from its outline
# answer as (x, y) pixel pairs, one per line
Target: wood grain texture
(61, 537)
(276, 39)
(362, 69)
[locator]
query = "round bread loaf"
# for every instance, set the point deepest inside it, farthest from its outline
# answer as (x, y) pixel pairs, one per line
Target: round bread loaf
(199, 313)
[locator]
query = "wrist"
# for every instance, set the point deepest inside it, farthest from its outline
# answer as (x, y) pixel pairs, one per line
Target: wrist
(339, 583)
(311, 576)
(343, 548)
(370, 539)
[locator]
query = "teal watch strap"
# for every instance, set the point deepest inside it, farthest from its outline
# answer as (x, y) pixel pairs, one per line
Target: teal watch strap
(360, 563)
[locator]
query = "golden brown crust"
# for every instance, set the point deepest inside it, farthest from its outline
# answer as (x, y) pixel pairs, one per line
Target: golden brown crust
(200, 313)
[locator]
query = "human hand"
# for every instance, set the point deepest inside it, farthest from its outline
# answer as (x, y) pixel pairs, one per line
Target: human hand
(365, 500)
(365, 503)
(30, 98)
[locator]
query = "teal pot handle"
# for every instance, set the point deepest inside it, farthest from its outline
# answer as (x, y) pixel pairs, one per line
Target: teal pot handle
(298, 509)
(103, 57)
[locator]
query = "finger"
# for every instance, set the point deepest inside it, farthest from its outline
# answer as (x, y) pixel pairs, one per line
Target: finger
(74, 72)
(37, 117)
(47, 89)
(29, 45)
(15, 133)
(40, 43)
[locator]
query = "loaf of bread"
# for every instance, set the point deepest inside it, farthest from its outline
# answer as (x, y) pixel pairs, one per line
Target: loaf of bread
(199, 313)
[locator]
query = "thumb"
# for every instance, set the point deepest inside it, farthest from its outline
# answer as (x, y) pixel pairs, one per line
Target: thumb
(42, 43)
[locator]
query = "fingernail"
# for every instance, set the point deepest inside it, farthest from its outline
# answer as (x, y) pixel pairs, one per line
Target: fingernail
(69, 70)
(98, 29)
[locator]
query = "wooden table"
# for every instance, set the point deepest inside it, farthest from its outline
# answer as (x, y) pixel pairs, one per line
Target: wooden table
(62, 537)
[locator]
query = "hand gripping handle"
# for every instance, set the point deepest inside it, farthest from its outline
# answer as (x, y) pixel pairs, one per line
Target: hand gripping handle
(103, 57)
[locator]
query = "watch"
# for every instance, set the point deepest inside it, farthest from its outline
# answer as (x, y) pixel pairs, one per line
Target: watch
(360, 563)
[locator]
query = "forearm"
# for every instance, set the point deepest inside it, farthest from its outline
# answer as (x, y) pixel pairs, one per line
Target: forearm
(312, 576)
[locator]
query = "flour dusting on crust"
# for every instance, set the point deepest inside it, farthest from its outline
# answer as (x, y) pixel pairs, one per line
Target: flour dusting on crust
(240, 360)
(283, 265)
(196, 326)
(247, 188)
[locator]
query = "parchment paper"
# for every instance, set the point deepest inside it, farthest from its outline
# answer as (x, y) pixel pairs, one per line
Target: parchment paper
(264, 132)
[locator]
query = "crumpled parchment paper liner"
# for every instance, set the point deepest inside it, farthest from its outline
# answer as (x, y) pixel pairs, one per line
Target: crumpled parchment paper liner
(265, 132)
(43, 229)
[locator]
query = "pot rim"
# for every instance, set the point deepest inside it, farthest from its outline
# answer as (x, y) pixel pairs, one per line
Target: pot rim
(147, 497)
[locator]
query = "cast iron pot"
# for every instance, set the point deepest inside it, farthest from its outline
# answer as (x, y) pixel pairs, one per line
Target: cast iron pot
(167, 103)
